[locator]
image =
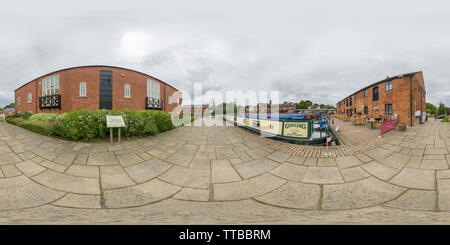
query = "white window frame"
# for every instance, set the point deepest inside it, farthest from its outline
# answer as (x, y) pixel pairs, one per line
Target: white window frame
(50, 85)
(83, 89)
(388, 85)
(29, 98)
(127, 90)
(153, 89)
(169, 100)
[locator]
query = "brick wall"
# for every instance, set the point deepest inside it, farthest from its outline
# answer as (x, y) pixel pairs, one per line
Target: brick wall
(70, 96)
(399, 97)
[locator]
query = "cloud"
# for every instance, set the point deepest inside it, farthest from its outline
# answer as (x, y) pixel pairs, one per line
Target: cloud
(321, 51)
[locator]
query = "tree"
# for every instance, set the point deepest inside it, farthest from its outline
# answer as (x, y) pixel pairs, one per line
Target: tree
(315, 106)
(309, 103)
(431, 108)
(11, 105)
(302, 105)
(441, 109)
(322, 106)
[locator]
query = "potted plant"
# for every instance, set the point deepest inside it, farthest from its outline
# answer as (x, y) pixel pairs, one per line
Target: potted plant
(402, 126)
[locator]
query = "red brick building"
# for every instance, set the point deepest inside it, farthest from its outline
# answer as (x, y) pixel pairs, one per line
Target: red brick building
(195, 109)
(96, 87)
(401, 97)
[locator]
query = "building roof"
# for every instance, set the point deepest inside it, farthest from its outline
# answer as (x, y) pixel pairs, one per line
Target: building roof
(70, 68)
(382, 81)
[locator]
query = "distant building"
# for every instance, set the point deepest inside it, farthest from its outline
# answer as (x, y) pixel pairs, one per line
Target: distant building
(287, 107)
(8, 111)
(195, 109)
(401, 97)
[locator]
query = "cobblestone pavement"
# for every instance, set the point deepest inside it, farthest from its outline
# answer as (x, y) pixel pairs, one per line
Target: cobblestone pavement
(223, 175)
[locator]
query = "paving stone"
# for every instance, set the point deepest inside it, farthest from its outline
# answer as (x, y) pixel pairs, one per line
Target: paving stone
(30, 168)
(144, 156)
(443, 186)
(290, 171)
(415, 199)
(222, 172)
(278, 156)
(415, 178)
(358, 194)
(188, 149)
(378, 153)
(416, 152)
(147, 170)
(355, 173)
(114, 177)
(81, 158)
(65, 158)
(20, 192)
(244, 157)
(434, 157)
(200, 164)
(235, 160)
(26, 155)
(68, 183)
(187, 177)
(1, 174)
(192, 194)
(380, 170)
(180, 159)
(53, 166)
(326, 162)
(443, 174)
(363, 157)
(348, 162)
(10, 170)
(293, 195)
(396, 160)
(225, 154)
(205, 156)
(323, 175)
(83, 171)
(247, 188)
(433, 164)
(5, 149)
(311, 162)
(414, 162)
(257, 153)
(79, 201)
(255, 167)
(102, 158)
(296, 159)
(438, 151)
(138, 195)
(158, 154)
(49, 155)
(38, 159)
(128, 159)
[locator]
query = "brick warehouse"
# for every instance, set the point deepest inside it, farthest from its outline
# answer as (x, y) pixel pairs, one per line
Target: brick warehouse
(96, 87)
(401, 97)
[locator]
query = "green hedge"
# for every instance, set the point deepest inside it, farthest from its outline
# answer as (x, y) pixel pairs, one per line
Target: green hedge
(44, 117)
(90, 124)
(44, 128)
(15, 121)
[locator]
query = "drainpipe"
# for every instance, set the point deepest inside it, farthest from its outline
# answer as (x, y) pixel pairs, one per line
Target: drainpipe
(36, 96)
(410, 101)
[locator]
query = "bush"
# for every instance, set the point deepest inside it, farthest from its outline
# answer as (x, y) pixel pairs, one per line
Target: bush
(15, 121)
(446, 119)
(90, 124)
(44, 117)
(39, 127)
(27, 115)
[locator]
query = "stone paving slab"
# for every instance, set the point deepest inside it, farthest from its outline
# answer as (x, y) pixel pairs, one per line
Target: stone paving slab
(114, 177)
(187, 177)
(21, 192)
(102, 158)
(255, 167)
(72, 200)
(323, 175)
(222, 172)
(359, 194)
(147, 170)
(68, 183)
(290, 171)
(138, 195)
(30, 168)
(293, 195)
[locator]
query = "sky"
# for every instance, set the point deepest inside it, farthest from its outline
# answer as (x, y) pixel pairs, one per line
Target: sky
(312, 50)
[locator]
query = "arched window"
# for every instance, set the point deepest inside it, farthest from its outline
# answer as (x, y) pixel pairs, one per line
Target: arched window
(83, 89)
(127, 91)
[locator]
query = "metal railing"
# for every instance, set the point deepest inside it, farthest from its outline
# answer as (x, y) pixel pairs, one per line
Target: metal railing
(153, 103)
(50, 101)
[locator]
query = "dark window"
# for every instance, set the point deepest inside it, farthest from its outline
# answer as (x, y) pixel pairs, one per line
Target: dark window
(375, 94)
(366, 93)
(366, 110)
(350, 101)
(388, 109)
(388, 85)
(354, 110)
(354, 97)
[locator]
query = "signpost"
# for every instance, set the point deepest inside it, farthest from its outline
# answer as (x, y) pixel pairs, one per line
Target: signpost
(114, 122)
